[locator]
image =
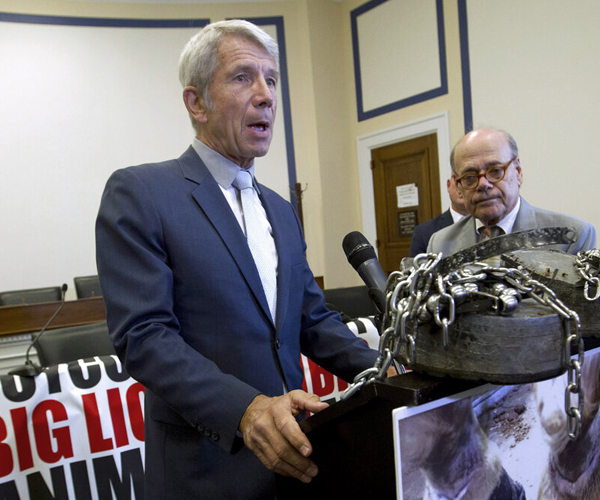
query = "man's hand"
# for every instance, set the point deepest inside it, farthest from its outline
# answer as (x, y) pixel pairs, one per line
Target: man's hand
(271, 432)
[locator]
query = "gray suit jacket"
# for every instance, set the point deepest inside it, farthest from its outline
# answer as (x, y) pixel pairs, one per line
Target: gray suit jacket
(463, 234)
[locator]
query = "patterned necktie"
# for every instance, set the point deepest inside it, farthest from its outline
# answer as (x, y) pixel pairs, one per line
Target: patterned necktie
(256, 235)
(489, 232)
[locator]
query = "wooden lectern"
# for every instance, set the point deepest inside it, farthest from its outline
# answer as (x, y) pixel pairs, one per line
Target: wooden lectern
(353, 443)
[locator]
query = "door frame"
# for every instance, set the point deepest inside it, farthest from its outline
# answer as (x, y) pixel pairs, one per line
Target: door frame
(437, 123)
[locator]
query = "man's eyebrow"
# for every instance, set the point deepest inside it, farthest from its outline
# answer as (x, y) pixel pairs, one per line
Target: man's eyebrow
(273, 73)
(470, 168)
(495, 163)
(251, 68)
(487, 165)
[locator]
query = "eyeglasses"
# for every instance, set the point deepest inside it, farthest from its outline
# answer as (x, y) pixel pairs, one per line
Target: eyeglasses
(492, 175)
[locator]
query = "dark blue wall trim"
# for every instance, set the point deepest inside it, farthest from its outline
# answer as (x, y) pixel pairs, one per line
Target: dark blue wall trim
(409, 101)
(103, 22)
(285, 97)
(465, 65)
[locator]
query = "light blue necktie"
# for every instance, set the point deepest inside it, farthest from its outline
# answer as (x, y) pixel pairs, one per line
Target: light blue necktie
(256, 235)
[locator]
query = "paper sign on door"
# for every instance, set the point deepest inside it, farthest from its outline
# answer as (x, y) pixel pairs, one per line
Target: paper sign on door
(408, 195)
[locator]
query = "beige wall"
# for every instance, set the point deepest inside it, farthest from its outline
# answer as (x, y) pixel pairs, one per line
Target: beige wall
(299, 70)
(332, 78)
(323, 103)
(535, 72)
(348, 202)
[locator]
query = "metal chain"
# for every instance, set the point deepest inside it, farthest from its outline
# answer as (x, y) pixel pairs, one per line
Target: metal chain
(404, 291)
(585, 262)
(419, 295)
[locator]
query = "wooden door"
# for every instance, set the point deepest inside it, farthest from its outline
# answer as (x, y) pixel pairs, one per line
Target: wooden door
(406, 182)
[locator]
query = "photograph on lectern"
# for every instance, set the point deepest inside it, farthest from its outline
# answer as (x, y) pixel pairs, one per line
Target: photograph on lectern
(498, 441)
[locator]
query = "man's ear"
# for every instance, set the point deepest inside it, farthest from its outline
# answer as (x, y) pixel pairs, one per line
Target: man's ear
(459, 191)
(195, 104)
(519, 171)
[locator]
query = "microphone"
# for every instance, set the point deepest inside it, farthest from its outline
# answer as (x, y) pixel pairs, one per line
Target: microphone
(30, 369)
(363, 259)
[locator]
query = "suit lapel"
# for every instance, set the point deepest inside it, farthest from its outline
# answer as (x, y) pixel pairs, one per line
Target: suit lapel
(445, 220)
(469, 234)
(209, 197)
(525, 218)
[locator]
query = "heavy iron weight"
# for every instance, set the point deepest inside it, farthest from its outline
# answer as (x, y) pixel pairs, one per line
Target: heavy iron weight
(462, 317)
(500, 245)
(483, 323)
(574, 279)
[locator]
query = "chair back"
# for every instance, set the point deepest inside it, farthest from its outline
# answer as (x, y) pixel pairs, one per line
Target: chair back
(30, 296)
(71, 343)
(353, 301)
(87, 286)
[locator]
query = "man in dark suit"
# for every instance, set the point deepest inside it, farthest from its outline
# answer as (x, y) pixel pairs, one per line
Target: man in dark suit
(487, 170)
(191, 308)
(423, 232)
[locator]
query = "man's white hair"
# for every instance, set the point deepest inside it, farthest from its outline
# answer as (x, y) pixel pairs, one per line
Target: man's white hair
(199, 58)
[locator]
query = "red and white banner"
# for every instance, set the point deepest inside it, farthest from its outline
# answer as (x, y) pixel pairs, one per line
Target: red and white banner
(75, 431)
(322, 383)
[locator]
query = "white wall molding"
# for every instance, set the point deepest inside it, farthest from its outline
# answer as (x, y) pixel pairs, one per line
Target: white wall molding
(437, 123)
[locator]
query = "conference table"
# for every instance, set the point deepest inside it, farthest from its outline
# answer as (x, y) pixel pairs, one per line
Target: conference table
(29, 318)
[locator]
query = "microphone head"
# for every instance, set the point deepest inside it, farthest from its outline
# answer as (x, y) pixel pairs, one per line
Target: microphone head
(357, 248)
(64, 287)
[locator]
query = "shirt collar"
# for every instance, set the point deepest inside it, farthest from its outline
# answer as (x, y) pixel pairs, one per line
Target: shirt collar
(455, 215)
(508, 222)
(222, 169)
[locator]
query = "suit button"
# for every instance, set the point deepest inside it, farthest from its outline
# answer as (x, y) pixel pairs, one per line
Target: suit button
(206, 432)
(215, 436)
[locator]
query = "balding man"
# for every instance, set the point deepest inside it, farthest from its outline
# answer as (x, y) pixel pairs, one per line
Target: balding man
(487, 170)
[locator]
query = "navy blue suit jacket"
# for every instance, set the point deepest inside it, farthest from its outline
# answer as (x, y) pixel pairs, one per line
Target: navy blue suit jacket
(188, 317)
(423, 232)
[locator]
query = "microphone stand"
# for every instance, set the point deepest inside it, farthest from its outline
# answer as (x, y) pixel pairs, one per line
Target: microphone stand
(30, 369)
